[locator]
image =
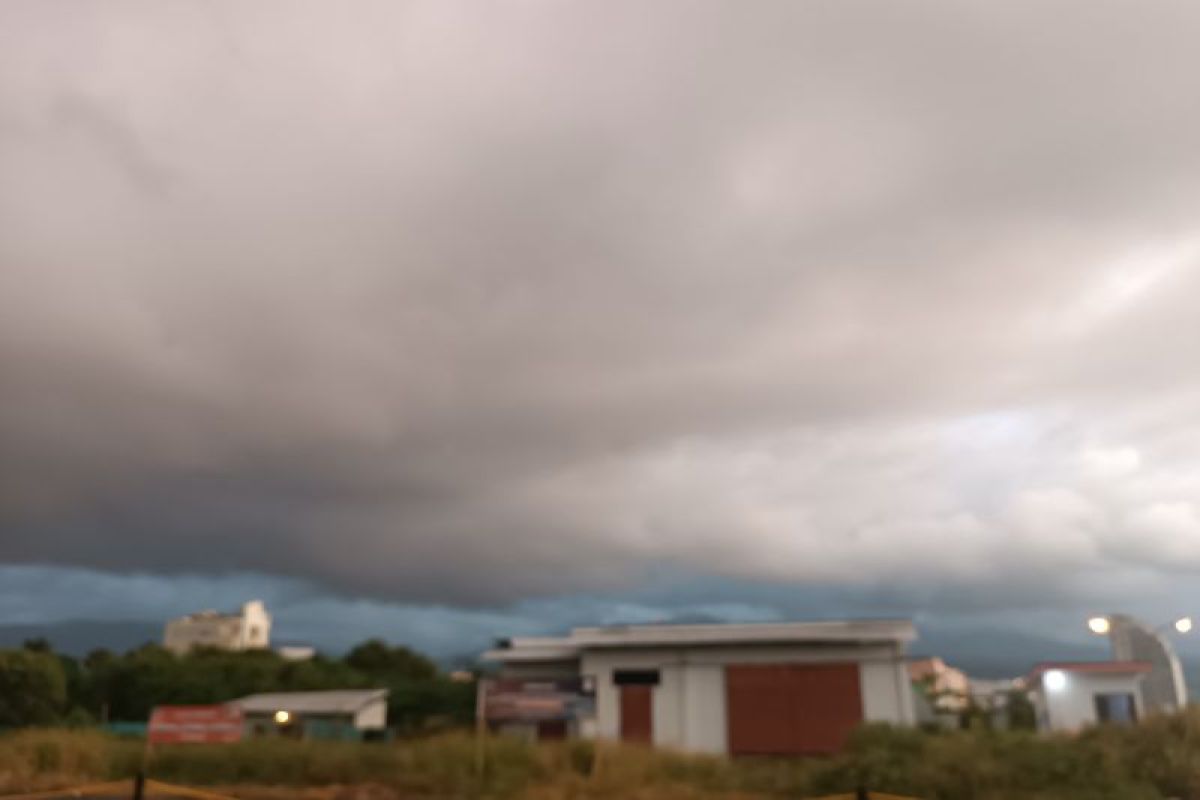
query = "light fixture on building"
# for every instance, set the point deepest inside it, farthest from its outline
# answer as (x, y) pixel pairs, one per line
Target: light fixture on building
(1183, 624)
(282, 718)
(1055, 680)
(1099, 625)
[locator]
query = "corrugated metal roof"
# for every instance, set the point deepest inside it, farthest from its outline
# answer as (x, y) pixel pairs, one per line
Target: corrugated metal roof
(347, 701)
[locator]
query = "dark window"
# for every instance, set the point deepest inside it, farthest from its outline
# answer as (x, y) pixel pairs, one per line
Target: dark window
(1116, 708)
(635, 677)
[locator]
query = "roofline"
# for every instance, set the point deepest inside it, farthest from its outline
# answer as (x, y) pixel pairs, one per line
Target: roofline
(372, 695)
(1089, 667)
(703, 635)
(564, 653)
(890, 630)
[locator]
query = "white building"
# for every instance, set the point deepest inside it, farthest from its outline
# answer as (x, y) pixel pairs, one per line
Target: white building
(1068, 696)
(249, 629)
(294, 651)
(757, 689)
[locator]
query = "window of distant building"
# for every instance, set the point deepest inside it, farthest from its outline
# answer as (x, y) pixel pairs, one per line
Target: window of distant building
(1116, 708)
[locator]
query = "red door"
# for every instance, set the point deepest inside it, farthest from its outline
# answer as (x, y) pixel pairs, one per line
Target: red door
(791, 709)
(637, 717)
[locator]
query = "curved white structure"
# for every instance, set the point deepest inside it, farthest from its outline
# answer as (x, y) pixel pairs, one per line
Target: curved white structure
(1163, 689)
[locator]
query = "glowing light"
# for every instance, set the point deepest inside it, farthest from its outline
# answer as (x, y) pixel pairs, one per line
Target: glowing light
(282, 718)
(1055, 680)
(1183, 625)
(1099, 625)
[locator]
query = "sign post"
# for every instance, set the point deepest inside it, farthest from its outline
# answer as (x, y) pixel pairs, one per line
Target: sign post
(481, 691)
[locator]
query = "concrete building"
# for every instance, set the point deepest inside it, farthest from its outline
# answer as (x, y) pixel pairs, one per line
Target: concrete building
(249, 629)
(1068, 696)
(345, 715)
(756, 689)
(1163, 689)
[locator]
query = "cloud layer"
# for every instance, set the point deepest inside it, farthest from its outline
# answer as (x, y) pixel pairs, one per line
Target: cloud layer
(466, 304)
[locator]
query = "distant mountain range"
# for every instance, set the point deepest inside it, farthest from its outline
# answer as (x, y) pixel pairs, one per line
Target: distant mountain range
(80, 637)
(999, 653)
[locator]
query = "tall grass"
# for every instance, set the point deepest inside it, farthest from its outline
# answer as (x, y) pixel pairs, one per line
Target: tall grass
(1158, 759)
(37, 759)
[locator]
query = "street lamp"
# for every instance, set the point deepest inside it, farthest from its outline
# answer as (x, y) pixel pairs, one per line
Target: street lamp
(1101, 626)
(282, 718)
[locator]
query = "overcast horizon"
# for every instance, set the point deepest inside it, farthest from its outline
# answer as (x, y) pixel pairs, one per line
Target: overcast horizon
(444, 321)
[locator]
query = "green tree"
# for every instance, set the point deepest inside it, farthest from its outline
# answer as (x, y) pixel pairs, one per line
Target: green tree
(33, 688)
(377, 659)
(419, 694)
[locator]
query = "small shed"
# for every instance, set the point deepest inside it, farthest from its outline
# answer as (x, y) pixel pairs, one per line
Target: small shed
(1071, 695)
(343, 714)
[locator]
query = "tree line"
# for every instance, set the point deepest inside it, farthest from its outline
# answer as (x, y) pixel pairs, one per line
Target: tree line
(41, 687)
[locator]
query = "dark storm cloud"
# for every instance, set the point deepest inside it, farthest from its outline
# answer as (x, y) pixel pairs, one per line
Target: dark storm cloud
(465, 303)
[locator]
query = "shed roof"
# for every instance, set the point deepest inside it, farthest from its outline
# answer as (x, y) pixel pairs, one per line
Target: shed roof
(347, 701)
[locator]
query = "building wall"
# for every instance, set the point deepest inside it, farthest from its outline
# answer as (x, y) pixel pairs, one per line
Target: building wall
(188, 633)
(689, 702)
(706, 725)
(1073, 707)
(886, 691)
(255, 628)
(249, 630)
(372, 717)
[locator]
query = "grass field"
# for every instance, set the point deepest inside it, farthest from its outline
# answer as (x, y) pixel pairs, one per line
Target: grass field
(1158, 759)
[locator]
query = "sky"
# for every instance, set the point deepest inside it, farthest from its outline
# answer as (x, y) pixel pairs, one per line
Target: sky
(443, 321)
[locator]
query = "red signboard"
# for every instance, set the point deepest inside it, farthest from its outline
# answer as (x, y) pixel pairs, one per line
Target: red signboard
(194, 724)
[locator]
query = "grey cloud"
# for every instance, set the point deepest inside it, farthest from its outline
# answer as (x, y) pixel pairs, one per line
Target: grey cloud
(450, 303)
